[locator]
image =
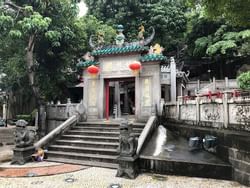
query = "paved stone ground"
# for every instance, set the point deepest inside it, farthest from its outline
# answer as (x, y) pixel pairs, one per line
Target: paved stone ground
(6, 153)
(39, 171)
(103, 178)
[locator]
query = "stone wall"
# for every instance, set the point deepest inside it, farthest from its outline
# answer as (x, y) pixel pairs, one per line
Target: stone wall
(233, 146)
(7, 136)
(227, 118)
(239, 157)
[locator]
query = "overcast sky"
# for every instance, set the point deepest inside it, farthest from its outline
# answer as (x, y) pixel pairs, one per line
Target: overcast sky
(83, 9)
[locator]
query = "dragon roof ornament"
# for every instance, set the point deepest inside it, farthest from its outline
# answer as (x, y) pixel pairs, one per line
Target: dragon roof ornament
(120, 39)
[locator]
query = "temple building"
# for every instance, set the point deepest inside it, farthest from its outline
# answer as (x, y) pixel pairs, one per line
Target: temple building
(127, 78)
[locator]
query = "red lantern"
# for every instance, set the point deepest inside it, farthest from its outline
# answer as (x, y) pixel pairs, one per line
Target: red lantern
(135, 67)
(93, 70)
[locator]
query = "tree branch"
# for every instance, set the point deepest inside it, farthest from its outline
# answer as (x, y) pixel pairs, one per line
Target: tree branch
(12, 5)
(31, 42)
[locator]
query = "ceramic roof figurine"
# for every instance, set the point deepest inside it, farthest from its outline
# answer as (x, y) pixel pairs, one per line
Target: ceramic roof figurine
(141, 33)
(120, 38)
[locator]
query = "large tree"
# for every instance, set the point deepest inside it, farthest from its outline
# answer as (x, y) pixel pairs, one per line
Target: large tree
(234, 12)
(220, 44)
(29, 22)
(50, 37)
(167, 16)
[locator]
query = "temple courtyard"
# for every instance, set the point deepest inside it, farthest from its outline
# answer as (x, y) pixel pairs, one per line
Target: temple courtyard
(92, 177)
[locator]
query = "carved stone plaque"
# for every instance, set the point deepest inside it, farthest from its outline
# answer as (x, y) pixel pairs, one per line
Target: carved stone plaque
(92, 93)
(146, 92)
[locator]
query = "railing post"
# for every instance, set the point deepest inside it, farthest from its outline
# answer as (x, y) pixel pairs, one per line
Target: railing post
(225, 109)
(178, 107)
(226, 83)
(197, 100)
(214, 84)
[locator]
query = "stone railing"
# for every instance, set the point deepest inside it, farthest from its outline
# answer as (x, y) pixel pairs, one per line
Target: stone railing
(58, 113)
(213, 85)
(223, 110)
(148, 129)
(44, 141)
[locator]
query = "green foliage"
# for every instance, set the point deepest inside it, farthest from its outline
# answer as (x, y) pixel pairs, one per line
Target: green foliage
(6, 23)
(54, 37)
(244, 34)
(220, 47)
(201, 46)
(224, 41)
(244, 80)
(168, 18)
(234, 12)
(34, 23)
(25, 117)
(15, 34)
(60, 39)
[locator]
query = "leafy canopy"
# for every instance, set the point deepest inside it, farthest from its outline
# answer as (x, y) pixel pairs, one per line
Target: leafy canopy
(234, 12)
(60, 38)
(244, 80)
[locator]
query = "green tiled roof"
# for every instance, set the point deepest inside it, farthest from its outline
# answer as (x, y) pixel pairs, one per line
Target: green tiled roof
(153, 57)
(83, 64)
(119, 50)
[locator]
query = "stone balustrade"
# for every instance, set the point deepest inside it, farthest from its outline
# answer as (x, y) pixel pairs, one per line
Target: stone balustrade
(220, 110)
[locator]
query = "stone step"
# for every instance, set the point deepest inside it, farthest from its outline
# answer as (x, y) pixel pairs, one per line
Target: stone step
(89, 138)
(83, 156)
(90, 144)
(77, 149)
(82, 143)
(82, 162)
(98, 124)
(139, 125)
(93, 133)
(106, 129)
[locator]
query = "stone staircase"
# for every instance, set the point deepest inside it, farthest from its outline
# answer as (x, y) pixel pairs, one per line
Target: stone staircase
(90, 144)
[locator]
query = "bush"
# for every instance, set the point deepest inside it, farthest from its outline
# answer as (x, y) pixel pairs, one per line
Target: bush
(244, 80)
(25, 117)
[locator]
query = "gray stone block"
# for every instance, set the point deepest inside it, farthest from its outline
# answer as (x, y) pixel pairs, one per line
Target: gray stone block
(22, 155)
(240, 155)
(242, 177)
(240, 165)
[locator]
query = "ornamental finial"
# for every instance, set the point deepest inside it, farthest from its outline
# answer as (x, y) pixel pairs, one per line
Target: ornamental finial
(141, 33)
(119, 39)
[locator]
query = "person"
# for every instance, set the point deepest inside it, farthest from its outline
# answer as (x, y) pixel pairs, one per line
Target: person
(39, 155)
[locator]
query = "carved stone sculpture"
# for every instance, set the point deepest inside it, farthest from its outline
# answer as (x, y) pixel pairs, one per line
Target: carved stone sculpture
(24, 139)
(128, 142)
(23, 136)
(127, 159)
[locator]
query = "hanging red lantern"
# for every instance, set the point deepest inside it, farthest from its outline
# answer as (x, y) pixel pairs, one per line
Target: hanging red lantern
(135, 67)
(93, 70)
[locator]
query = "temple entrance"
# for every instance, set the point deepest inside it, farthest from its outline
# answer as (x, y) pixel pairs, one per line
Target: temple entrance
(119, 97)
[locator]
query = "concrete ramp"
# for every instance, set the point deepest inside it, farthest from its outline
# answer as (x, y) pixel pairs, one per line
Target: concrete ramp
(167, 153)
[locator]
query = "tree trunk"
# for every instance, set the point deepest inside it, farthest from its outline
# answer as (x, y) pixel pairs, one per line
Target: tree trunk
(35, 88)
(30, 66)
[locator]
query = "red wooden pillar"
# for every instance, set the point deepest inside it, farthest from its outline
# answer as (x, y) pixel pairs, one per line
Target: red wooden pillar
(107, 99)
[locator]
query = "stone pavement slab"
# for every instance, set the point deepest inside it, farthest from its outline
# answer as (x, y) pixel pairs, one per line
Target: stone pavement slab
(103, 178)
(39, 170)
(6, 153)
(29, 165)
